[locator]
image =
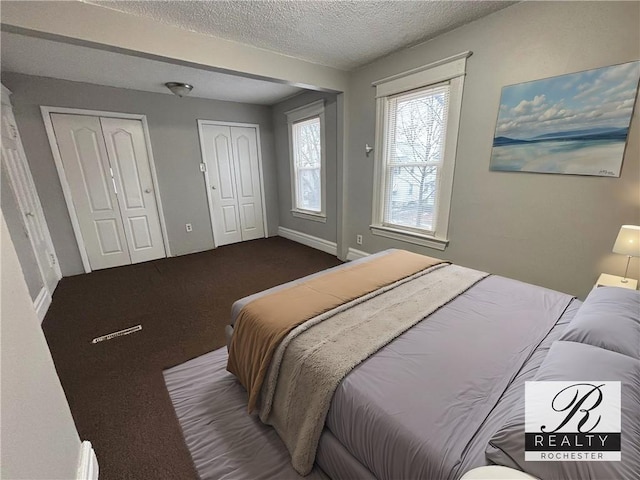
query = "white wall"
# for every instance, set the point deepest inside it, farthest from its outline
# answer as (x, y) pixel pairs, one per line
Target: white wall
(552, 230)
(39, 438)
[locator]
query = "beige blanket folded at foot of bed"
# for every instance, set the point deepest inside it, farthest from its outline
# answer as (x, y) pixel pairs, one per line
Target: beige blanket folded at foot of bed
(264, 322)
(315, 357)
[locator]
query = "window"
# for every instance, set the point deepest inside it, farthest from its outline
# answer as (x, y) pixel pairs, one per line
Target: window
(307, 164)
(306, 145)
(416, 136)
(416, 127)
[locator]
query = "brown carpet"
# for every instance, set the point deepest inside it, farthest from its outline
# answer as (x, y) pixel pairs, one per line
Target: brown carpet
(115, 388)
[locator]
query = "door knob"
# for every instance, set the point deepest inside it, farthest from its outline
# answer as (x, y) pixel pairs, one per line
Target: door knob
(213, 187)
(148, 190)
(29, 214)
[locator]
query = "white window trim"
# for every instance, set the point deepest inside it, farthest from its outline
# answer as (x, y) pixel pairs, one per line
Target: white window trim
(308, 215)
(451, 69)
(315, 109)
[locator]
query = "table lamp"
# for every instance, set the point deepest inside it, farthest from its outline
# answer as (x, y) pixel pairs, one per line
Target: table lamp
(628, 243)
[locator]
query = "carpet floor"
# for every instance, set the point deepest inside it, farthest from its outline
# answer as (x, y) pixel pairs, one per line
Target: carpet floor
(115, 388)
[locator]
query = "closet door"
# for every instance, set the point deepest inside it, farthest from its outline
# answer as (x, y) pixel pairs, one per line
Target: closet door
(247, 174)
(129, 161)
(88, 173)
(217, 151)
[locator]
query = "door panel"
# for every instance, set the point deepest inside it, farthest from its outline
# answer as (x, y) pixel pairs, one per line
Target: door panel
(224, 166)
(244, 170)
(245, 153)
(92, 170)
(230, 220)
(129, 159)
(249, 217)
(108, 237)
(123, 153)
(87, 170)
(140, 231)
(218, 155)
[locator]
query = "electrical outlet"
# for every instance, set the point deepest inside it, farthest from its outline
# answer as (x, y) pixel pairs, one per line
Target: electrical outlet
(359, 239)
(188, 227)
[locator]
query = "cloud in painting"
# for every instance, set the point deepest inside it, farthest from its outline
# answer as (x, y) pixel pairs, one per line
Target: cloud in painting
(599, 98)
(526, 106)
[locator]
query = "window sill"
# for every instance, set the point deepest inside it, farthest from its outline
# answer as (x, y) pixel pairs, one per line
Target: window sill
(409, 237)
(316, 217)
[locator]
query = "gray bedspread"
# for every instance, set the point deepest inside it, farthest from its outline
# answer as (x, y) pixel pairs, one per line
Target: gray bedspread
(413, 410)
(329, 346)
(379, 424)
(338, 463)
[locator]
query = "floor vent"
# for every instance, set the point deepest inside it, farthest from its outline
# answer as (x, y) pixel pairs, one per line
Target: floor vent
(119, 333)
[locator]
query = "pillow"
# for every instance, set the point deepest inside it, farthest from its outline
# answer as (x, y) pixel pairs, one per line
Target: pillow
(570, 361)
(609, 318)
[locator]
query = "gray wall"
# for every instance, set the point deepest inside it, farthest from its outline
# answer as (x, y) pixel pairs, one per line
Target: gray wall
(18, 233)
(552, 230)
(38, 436)
(176, 150)
(326, 230)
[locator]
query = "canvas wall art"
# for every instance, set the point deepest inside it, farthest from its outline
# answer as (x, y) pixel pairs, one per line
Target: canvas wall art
(571, 124)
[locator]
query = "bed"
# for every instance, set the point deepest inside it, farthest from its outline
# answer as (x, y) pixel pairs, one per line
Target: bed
(427, 403)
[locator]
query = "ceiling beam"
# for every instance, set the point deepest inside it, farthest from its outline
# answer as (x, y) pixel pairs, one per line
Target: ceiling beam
(99, 27)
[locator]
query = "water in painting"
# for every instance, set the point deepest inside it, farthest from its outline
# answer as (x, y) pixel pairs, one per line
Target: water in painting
(572, 124)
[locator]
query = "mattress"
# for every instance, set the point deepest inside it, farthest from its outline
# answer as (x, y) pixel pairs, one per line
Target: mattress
(359, 442)
(380, 413)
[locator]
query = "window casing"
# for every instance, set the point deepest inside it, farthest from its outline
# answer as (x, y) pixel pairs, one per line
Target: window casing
(307, 155)
(417, 121)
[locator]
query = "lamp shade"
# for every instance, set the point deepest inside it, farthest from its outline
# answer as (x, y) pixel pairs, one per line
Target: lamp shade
(628, 241)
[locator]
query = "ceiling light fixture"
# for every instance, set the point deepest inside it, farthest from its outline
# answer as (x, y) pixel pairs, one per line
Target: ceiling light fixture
(179, 89)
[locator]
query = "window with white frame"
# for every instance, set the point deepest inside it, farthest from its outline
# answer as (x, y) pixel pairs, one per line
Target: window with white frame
(416, 135)
(307, 152)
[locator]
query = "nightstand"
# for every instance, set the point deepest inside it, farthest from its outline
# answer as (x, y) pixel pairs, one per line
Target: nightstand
(607, 280)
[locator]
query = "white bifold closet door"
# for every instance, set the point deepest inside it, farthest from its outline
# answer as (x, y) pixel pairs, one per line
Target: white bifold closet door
(106, 165)
(233, 180)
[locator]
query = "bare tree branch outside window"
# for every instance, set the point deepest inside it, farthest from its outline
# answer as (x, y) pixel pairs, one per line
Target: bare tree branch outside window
(308, 164)
(417, 124)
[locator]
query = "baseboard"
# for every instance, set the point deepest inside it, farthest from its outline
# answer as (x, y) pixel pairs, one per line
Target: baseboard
(41, 303)
(353, 254)
(309, 240)
(87, 463)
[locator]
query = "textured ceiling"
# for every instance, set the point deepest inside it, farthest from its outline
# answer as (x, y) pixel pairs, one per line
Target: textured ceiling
(343, 34)
(35, 56)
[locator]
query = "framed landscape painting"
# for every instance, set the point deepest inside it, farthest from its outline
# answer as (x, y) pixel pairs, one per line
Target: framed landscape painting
(572, 124)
